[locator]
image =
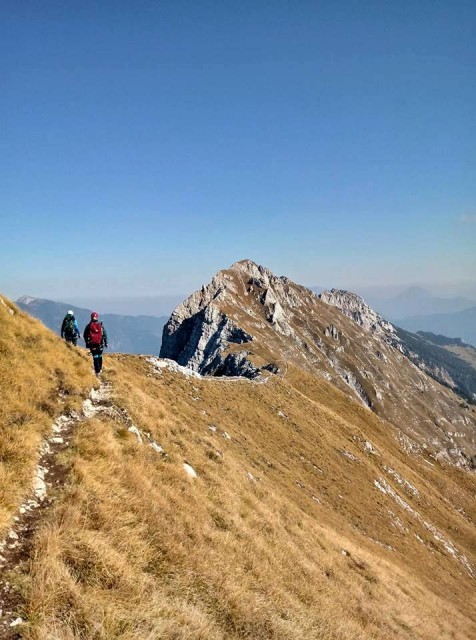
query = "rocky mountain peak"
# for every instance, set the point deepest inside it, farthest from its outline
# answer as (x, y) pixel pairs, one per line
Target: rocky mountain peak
(26, 300)
(199, 331)
(249, 322)
(249, 270)
(411, 346)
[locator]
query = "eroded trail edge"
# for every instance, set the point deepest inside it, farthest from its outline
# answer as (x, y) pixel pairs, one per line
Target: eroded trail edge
(50, 474)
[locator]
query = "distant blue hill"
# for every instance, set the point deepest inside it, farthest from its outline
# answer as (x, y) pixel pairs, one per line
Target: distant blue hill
(126, 334)
(417, 301)
(461, 324)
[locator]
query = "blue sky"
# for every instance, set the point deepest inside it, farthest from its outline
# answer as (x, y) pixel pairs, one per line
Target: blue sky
(145, 145)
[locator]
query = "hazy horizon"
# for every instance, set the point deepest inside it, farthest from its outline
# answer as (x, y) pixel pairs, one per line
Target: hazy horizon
(162, 304)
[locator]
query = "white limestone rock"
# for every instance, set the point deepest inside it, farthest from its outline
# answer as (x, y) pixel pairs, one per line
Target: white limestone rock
(354, 307)
(189, 470)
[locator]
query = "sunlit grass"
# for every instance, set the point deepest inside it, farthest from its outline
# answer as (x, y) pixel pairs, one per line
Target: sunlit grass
(136, 549)
(40, 377)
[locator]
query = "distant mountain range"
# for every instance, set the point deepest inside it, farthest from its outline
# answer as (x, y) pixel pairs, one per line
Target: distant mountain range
(127, 334)
(417, 301)
(461, 324)
(156, 306)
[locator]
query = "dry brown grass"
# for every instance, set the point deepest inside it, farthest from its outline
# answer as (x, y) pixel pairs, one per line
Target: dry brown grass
(467, 353)
(137, 550)
(40, 377)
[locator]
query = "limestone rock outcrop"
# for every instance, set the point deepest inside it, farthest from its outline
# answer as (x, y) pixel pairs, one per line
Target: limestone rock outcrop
(198, 334)
(355, 308)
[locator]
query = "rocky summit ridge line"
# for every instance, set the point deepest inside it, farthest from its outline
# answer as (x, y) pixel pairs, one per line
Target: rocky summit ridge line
(249, 322)
(429, 358)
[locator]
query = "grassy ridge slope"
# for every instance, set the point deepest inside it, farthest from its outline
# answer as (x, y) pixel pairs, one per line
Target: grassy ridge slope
(283, 535)
(40, 377)
(304, 547)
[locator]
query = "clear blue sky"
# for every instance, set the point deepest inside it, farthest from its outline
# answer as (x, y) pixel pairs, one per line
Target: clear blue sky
(144, 145)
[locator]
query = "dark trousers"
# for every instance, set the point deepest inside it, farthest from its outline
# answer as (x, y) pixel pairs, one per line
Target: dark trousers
(72, 340)
(96, 353)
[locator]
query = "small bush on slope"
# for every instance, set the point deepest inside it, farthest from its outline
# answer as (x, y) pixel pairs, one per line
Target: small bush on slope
(136, 549)
(40, 377)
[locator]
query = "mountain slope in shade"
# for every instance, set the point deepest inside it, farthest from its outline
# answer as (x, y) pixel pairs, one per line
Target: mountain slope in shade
(465, 352)
(455, 325)
(249, 322)
(455, 345)
(444, 365)
(201, 507)
(126, 334)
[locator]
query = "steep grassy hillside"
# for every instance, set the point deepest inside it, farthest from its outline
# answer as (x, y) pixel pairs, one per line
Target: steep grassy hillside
(306, 518)
(40, 377)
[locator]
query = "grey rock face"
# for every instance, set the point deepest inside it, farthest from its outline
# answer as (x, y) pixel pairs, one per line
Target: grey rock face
(354, 307)
(199, 340)
(359, 390)
(237, 364)
(331, 331)
(199, 333)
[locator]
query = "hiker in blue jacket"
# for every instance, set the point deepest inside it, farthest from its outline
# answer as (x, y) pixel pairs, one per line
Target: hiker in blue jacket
(69, 329)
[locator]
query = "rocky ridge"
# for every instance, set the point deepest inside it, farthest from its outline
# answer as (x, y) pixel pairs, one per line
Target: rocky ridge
(355, 308)
(247, 321)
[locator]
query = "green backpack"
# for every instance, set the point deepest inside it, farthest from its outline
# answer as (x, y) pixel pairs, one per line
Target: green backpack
(69, 328)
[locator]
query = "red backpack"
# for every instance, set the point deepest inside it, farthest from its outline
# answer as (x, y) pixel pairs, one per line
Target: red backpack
(95, 334)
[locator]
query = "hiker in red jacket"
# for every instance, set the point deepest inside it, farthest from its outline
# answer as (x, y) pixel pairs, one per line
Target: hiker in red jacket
(95, 337)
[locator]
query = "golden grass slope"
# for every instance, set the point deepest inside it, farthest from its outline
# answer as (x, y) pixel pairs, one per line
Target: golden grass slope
(467, 353)
(40, 377)
(283, 535)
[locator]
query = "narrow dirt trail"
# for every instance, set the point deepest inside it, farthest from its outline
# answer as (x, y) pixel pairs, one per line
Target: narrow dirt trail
(50, 475)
